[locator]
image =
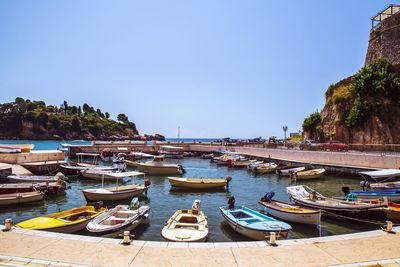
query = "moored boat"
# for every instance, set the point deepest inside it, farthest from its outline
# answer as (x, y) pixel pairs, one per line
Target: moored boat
(289, 212)
(309, 174)
(383, 176)
(186, 225)
(158, 166)
(119, 219)
(67, 221)
(393, 212)
(392, 195)
(118, 192)
(253, 224)
(35, 179)
(199, 183)
(286, 171)
(20, 198)
(47, 187)
(307, 197)
(265, 168)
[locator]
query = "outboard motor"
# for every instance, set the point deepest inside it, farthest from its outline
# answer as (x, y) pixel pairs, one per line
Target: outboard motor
(228, 180)
(98, 205)
(362, 184)
(231, 202)
(196, 204)
(268, 197)
(346, 190)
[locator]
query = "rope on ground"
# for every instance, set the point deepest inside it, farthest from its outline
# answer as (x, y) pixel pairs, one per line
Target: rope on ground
(354, 219)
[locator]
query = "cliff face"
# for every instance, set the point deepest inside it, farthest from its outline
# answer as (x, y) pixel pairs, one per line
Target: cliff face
(380, 122)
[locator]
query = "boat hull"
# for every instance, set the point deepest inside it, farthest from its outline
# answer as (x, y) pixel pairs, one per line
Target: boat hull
(95, 196)
(176, 182)
(313, 217)
(252, 233)
(158, 169)
(20, 198)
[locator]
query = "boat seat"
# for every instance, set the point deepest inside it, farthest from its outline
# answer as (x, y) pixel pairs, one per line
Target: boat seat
(124, 214)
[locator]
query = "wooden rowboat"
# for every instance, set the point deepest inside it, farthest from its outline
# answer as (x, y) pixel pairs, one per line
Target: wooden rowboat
(68, 221)
(186, 225)
(20, 198)
(199, 183)
(291, 213)
(310, 174)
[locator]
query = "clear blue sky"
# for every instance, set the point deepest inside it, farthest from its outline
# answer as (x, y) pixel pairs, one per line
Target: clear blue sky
(216, 68)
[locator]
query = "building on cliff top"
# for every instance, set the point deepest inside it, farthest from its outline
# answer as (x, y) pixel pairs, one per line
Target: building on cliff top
(384, 39)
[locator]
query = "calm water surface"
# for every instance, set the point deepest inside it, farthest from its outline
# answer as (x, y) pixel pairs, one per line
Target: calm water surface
(164, 201)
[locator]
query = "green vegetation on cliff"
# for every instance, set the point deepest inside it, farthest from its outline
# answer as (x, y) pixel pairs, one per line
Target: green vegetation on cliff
(36, 120)
(362, 108)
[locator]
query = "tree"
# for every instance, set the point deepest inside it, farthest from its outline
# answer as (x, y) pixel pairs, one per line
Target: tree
(107, 115)
(55, 122)
(65, 106)
(76, 124)
(123, 118)
(85, 108)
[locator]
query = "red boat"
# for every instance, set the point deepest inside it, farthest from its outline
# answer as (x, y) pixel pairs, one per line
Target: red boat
(47, 187)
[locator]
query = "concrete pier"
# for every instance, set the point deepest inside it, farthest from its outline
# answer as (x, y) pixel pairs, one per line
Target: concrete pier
(374, 248)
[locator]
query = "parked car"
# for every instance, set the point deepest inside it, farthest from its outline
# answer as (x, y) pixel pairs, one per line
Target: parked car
(335, 146)
(310, 145)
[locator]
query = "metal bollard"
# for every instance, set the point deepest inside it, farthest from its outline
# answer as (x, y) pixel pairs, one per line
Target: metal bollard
(389, 227)
(127, 238)
(8, 223)
(272, 239)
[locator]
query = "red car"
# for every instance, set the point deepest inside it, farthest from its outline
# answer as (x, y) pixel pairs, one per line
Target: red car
(335, 146)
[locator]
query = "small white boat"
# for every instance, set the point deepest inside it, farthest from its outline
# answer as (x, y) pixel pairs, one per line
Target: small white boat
(288, 170)
(187, 225)
(158, 166)
(119, 219)
(251, 166)
(289, 212)
(20, 198)
(118, 192)
(265, 168)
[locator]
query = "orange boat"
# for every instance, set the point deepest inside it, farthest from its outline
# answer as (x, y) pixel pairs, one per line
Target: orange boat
(393, 212)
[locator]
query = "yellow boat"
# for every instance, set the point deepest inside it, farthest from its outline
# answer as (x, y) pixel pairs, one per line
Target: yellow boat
(199, 183)
(310, 174)
(68, 221)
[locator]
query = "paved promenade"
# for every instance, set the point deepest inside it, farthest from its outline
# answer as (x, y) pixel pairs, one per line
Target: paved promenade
(36, 248)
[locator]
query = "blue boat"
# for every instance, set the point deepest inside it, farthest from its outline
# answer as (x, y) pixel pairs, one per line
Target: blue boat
(391, 195)
(253, 224)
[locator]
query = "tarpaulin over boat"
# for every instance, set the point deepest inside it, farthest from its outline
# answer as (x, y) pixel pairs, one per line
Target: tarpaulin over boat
(388, 173)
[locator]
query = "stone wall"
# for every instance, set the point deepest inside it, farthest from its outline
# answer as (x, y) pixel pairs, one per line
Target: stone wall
(384, 41)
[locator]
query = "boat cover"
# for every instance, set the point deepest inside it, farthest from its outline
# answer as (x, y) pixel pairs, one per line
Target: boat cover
(298, 191)
(387, 173)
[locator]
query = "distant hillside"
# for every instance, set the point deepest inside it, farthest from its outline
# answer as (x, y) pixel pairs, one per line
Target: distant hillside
(26, 119)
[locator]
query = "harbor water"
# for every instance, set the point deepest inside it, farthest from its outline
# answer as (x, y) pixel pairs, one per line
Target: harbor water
(246, 187)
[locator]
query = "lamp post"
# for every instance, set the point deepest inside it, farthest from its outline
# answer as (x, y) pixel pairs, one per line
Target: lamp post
(284, 128)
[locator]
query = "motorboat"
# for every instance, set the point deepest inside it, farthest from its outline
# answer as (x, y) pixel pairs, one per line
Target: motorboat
(382, 179)
(171, 151)
(392, 195)
(286, 171)
(253, 165)
(186, 225)
(16, 148)
(35, 179)
(265, 168)
(118, 192)
(253, 224)
(74, 167)
(242, 164)
(199, 183)
(289, 212)
(307, 197)
(67, 221)
(158, 166)
(47, 187)
(119, 219)
(307, 174)
(20, 198)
